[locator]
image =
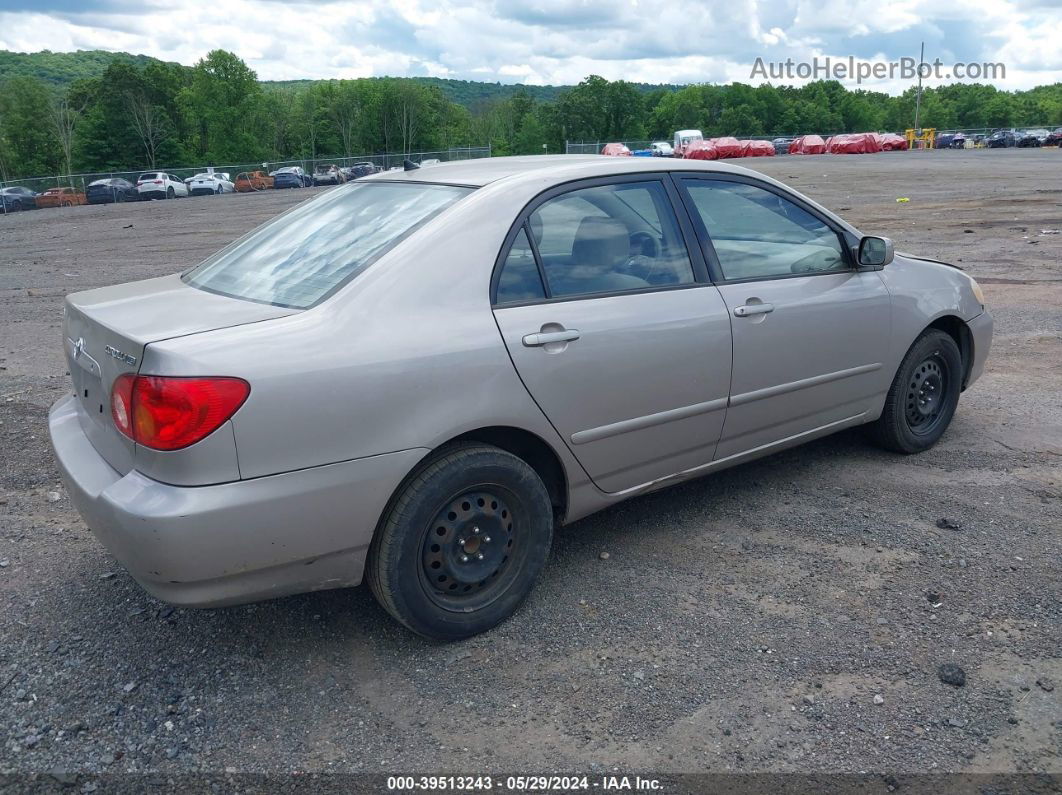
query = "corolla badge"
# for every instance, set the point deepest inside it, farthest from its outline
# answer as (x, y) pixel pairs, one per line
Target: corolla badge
(121, 356)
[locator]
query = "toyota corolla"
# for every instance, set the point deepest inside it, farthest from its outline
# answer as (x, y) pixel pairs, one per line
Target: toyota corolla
(413, 378)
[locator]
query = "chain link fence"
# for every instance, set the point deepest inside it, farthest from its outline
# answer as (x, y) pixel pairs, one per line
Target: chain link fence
(382, 161)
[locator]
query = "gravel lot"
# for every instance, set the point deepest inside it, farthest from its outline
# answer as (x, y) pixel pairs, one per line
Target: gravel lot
(789, 615)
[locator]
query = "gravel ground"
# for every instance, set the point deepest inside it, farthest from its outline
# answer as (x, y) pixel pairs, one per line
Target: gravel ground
(789, 615)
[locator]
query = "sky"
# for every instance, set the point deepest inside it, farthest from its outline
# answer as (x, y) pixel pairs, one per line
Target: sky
(555, 42)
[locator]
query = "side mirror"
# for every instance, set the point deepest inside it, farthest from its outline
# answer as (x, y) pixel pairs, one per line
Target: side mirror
(875, 252)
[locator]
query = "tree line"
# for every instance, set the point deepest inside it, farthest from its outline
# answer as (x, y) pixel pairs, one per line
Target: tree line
(140, 115)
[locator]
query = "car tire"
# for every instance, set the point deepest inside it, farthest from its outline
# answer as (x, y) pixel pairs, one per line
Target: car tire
(923, 396)
(462, 542)
(171, 193)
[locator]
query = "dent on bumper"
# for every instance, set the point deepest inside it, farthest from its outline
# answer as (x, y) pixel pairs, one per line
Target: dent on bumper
(233, 542)
(981, 331)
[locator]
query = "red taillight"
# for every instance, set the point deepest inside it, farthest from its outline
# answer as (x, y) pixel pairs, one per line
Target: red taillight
(157, 181)
(169, 413)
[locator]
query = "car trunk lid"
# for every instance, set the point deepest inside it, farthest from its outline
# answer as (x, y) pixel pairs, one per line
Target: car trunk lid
(106, 330)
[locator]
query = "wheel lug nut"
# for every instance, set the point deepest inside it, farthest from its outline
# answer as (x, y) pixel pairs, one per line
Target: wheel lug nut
(475, 530)
(464, 558)
(460, 541)
(479, 556)
(486, 539)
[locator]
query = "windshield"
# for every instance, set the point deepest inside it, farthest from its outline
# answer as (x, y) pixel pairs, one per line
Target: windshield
(303, 256)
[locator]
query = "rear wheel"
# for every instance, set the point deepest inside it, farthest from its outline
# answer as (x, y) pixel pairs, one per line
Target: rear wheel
(923, 395)
(170, 193)
(463, 542)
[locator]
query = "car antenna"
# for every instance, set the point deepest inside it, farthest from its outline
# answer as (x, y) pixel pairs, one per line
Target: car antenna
(409, 165)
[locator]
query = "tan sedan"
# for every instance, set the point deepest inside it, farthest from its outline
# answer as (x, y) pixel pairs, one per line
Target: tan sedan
(414, 377)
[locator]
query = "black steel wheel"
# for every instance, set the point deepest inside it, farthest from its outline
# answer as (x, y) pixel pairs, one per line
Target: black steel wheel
(923, 395)
(171, 193)
(924, 401)
(462, 542)
(468, 549)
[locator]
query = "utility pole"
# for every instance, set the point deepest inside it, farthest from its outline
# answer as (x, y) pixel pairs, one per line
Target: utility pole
(918, 96)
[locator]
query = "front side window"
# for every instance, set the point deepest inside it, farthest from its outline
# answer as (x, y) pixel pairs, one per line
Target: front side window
(610, 238)
(301, 257)
(758, 234)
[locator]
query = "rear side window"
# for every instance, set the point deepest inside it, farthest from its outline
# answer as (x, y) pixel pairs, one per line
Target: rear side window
(520, 280)
(301, 257)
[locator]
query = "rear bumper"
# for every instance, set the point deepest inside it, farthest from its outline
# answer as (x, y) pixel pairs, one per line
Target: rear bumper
(236, 542)
(981, 331)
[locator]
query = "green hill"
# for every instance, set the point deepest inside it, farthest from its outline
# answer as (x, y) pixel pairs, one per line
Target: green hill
(61, 68)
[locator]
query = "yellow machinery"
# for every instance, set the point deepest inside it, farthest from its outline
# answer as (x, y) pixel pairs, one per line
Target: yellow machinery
(926, 138)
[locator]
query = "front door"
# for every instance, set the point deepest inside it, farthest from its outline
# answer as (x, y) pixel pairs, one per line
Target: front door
(811, 332)
(615, 332)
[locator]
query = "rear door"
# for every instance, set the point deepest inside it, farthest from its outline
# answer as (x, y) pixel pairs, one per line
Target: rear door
(614, 328)
(811, 331)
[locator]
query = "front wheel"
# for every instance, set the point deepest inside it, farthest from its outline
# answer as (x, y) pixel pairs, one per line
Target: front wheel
(462, 544)
(923, 395)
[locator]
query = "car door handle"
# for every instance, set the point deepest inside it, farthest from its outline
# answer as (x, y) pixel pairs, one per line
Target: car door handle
(546, 337)
(753, 309)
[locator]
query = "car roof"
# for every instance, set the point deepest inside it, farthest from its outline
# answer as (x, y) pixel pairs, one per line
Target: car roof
(563, 168)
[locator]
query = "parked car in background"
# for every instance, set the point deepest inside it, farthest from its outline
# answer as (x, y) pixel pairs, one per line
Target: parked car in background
(943, 141)
(892, 142)
(1001, 139)
(272, 422)
(210, 182)
(1034, 137)
(781, 145)
(1054, 138)
(250, 181)
(61, 197)
(662, 149)
(430, 161)
(684, 138)
(291, 177)
(111, 191)
(160, 185)
(17, 198)
(360, 170)
(616, 150)
(958, 141)
(328, 174)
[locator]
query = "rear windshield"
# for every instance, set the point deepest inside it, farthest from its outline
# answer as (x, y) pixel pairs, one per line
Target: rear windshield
(301, 257)
(146, 177)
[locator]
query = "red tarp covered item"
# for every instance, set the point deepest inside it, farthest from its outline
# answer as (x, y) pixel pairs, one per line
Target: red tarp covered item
(854, 144)
(727, 147)
(807, 145)
(700, 150)
(757, 149)
(892, 141)
(616, 150)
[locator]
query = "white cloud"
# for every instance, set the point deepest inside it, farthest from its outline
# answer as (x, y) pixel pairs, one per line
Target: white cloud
(549, 41)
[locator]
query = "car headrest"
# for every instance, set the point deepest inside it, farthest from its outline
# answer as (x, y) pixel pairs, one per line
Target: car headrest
(601, 242)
